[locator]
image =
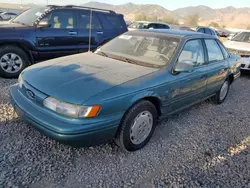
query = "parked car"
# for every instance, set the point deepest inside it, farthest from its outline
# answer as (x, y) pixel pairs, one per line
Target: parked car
(42, 33)
(207, 30)
(223, 32)
(240, 44)
(148, 25)
(232, 35)
(122, 89)
(7, 15)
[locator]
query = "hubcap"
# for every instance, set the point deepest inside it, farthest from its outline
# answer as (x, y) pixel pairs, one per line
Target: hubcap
(141, 127)
(11, 63)
(223, 91)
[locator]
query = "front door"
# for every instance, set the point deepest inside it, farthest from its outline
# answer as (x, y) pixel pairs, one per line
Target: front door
(60, 38)
(188, 88)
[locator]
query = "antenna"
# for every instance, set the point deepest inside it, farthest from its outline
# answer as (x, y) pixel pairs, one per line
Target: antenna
(90, 28)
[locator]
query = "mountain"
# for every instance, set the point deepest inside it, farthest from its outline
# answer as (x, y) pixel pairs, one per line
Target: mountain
(229, 16)
(130, 9)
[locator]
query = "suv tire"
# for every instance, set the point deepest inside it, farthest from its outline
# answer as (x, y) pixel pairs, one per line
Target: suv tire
(12, 61)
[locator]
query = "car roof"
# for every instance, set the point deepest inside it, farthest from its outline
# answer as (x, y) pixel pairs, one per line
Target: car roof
(178, 33)
(148, 22)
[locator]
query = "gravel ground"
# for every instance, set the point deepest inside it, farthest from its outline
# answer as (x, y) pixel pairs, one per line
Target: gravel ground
(206, 146)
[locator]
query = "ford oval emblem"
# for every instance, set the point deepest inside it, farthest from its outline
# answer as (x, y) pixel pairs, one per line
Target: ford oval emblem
(31, 94)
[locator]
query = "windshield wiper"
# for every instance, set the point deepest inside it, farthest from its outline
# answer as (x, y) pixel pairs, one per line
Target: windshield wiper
(102, 53)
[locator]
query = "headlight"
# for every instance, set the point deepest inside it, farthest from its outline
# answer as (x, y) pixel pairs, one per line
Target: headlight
(71, 110)
(20, 81)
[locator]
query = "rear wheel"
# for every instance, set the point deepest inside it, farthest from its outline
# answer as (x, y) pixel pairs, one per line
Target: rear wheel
(137, 126)
(221, 95)
(12, 61)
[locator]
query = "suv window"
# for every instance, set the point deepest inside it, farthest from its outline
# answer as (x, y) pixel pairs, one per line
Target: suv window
(151, 26)
(208, 31)
(84, 21)
(214, 51)
(115, 21)
(224, 51)
(201, 30)
(165, 27)
(61, 19)
(193, 51)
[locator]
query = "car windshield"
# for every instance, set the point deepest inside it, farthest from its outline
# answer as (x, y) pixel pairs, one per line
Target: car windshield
(145, 48)
(139, 25)
(30, 16)
(242, 37)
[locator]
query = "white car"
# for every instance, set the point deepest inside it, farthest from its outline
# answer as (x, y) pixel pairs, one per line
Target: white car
(240, 44)
(148, 25)
(7, 16)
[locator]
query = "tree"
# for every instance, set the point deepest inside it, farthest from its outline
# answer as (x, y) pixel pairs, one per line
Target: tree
(140, 17)
(214, 24)
(170, 20)
(192, 20)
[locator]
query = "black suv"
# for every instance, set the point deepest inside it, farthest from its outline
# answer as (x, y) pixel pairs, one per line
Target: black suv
(46, 32)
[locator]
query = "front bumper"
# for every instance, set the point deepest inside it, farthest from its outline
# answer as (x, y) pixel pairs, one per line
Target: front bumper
(88, 133)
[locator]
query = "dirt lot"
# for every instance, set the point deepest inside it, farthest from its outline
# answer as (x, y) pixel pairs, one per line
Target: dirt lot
(206, 146)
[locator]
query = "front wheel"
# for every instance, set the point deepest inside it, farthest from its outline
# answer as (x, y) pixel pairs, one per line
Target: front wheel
(137, 126)
(12, 61)
(221, 95)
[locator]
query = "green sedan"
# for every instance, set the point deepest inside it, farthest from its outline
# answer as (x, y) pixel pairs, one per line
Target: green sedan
(120, 91)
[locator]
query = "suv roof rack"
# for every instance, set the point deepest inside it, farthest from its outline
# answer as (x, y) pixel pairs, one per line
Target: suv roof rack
(85, 7)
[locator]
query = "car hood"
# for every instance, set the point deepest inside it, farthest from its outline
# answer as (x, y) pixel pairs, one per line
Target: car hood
(76, 78)
(244, 46)
(11, 25)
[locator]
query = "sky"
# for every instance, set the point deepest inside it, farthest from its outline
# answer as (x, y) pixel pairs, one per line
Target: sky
(170, 5)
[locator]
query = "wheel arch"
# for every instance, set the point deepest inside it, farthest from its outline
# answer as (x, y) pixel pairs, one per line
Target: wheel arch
(22, 47)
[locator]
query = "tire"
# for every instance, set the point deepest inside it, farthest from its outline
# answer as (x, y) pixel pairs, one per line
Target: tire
(219, 98)
(128, 127)
(12, 61)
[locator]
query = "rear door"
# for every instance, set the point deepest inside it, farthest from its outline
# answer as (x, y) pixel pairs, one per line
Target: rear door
(60, 38)
(89, 26)
(218, 66)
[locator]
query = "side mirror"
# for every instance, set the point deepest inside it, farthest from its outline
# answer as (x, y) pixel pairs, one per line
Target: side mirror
(184, 66)
(44, 23)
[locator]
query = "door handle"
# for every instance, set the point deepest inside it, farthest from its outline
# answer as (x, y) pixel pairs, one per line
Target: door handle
(204, 77)
(99, 32)
(72, 32)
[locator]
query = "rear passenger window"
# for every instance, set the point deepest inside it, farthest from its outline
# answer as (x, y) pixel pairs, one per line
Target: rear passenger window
(115, 21)
(224, 51)
(193, 52)
(208, 31)
(214, 51)
(201, 30)
(84, 21)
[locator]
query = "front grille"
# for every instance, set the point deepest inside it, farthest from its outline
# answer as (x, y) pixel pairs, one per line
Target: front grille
(240, 52)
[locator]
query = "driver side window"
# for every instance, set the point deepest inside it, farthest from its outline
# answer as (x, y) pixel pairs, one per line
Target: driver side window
(61, 19)
(193, 52)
